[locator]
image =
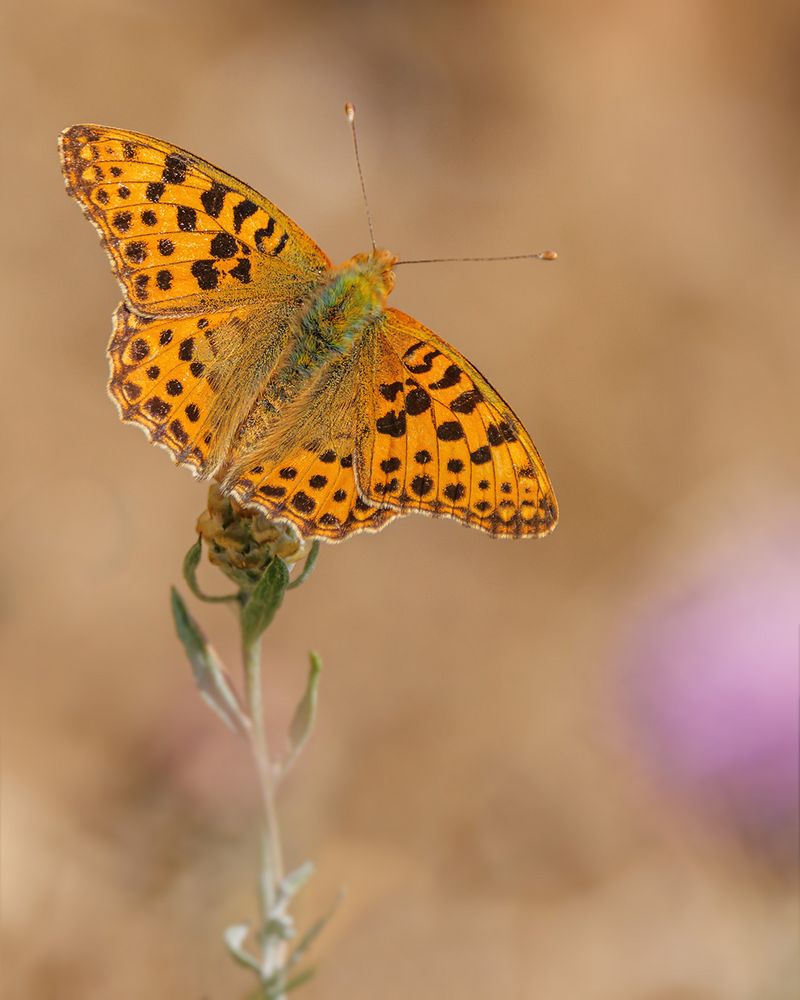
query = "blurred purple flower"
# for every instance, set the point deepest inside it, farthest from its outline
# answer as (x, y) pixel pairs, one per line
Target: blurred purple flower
(715, 690)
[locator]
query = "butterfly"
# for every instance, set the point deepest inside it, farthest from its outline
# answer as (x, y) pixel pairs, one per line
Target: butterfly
(245, 353)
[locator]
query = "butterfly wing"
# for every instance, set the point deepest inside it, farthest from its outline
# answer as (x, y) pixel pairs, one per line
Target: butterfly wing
(314, 488)
(439, 439)
(183, 236)
(301, 468)
(160, 379)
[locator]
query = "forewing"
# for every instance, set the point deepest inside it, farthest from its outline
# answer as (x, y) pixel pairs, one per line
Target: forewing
(442, 441)
(183, 236)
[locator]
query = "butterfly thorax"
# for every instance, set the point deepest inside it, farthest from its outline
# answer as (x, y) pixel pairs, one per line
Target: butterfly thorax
(347, 301)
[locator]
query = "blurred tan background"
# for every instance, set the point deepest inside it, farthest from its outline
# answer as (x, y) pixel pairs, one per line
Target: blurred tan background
(559, 769)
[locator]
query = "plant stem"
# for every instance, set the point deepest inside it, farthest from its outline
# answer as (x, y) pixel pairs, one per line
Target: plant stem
(273, 949)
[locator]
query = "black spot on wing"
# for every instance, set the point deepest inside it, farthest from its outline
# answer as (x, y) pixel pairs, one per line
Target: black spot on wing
(157, 407)
(187, 219)
(302, 501)
(508, 431)
(139, 349)
(136, 251)
(206, 274)
(214, 199)
(417, 401)
(392, 486)
(425, 365)
(450, 430)
(467, 401)
(393, 424)
(273, 491)
(421, 485)
(180, 435)
(451, 377)
(243, 211)
(390, 390)
(223, 245)
(174, 169)
(264, 234)
(280, 245)
(494, 434)
(242, 271)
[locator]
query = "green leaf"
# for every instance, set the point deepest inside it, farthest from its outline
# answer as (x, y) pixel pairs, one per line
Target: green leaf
(209, 674)
(313, 933)
(305, 714)
(308, 566)
(299, 979)
(190, 563)
(292, 883)
(267, 597)
(235, 937)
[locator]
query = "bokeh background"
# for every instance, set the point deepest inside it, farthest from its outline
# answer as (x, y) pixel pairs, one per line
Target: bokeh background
(555, 769)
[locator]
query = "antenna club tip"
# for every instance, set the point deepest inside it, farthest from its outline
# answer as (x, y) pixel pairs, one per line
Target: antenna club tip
(349, 111)
(549, 255)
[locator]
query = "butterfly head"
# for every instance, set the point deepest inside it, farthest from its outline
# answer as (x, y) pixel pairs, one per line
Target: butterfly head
(376, 269)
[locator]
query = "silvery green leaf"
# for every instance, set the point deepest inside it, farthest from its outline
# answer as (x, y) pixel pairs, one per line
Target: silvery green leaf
(308, 566)
(266, 598)
(313, 933)
(190, 563)
(292, 883)
(209, 675)
(299, 979)
(235, 937)
(306, 712)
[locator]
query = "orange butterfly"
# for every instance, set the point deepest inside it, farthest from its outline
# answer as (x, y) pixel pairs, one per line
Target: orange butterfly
(245, 353)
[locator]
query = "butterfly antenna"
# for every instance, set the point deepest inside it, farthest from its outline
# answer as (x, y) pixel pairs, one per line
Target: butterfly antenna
(350, 112)
(544, 255)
